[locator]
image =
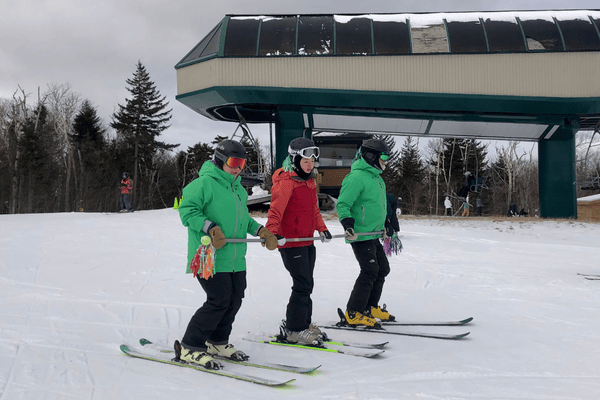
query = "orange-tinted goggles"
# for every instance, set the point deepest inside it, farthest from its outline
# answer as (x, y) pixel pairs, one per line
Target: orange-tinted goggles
(233, 162)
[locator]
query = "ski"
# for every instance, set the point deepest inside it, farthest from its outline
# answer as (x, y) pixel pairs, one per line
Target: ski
(356, 344)
(592, 278)
(229, 374)
(272, 340)
(401, 333)
(424, 323)
(272, 366)
(343, 324)
(592, 275)
(328, 340)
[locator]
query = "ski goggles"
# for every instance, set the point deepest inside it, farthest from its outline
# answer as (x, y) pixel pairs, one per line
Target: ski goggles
(309, 152)
(384, 156)
(234, 162)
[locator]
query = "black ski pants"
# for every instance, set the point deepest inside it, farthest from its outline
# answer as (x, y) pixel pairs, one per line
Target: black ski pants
(374, 267)
(214, 320)
(300, 262)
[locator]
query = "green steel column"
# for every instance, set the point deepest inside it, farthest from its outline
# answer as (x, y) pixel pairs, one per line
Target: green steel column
(557, 177)
(288, 126)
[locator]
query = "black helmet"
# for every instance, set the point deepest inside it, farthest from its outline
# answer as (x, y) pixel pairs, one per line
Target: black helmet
(228, 148)
(300, 148)
(372, 149)
(303, 147)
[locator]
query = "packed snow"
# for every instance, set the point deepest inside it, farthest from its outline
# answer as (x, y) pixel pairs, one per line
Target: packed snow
(74, 286)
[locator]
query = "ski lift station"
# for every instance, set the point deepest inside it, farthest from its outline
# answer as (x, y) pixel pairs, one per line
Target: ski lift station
(512, 75)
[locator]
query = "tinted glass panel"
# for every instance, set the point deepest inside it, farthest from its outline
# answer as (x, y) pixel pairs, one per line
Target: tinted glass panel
(541, 34)
(241, 37)
(278, 37)
(391, 37)
(466, 37)
(337, 155)
(428, 34)
(213, 46)
(199, 49)
(315, 35)
(352, 35)
(504, 35)
(579, 34)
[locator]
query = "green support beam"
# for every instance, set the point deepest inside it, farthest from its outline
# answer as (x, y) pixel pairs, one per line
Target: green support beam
(288, 125)
(557, 175)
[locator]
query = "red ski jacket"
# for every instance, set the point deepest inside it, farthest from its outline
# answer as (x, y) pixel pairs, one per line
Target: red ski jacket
(126, 185)
(294, 211)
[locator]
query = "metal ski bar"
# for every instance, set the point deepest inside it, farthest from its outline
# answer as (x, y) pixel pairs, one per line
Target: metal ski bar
(340, 236)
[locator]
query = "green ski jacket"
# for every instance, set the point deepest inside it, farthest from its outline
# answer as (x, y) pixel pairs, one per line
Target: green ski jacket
(216, 196)
(362, 198)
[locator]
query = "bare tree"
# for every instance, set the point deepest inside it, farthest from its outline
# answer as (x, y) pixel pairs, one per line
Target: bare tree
(14, 114)
(63, 104)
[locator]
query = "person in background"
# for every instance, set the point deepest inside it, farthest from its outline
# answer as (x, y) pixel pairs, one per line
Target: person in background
(479, 205)
(448, 205)
(214, 205)
(466, 206)
(392, 207)
(126, 188)
(294, 213)
(362, 208)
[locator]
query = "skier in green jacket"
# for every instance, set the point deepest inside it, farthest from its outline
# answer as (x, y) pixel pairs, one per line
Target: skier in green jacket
(362, 207)
(214, 205)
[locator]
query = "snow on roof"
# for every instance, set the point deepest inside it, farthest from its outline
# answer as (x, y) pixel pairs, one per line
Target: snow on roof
(424, 20)
(588, 199)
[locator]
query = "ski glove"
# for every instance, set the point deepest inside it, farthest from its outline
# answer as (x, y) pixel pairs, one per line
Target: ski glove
(325, 236)
(389, 229)
(280, 240)
(217, 237)
(270, 239)
(348, 224)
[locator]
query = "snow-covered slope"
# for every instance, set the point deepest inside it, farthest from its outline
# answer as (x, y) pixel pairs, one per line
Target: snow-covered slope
(73, 287)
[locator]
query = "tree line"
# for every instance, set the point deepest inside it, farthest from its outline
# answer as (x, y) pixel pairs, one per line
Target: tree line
(57, 155)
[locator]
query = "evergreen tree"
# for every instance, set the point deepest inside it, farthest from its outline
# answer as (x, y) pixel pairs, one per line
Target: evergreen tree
(140, 121)
(87, 127)
(89, 142)
(35, 160)
(411, 175)
(190, 162)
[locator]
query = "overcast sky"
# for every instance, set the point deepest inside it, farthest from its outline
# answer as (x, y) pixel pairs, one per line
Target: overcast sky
(94, 45)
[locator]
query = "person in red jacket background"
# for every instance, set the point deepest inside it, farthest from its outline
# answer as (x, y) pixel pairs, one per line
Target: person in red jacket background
(126, 187)
(294, 213)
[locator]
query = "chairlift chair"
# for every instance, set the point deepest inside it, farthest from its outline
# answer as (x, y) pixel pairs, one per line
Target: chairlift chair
(591, 182)
(254, 174)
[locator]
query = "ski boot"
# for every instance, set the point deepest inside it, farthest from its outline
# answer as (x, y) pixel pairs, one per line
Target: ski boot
(355, 318)
(382, 314)
(307, 337)
(196, 357)
(226, 351)
(315, 328)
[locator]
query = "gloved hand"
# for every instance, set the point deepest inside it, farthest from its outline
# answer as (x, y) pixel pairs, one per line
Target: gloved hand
(217, 237)
(350, 234)
(325, 236)
(270, 239)
(348, 224)
(389, 229)
(280, 240)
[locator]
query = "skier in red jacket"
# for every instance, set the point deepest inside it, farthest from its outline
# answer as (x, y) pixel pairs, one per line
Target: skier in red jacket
(126, 187)
(294, 213)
